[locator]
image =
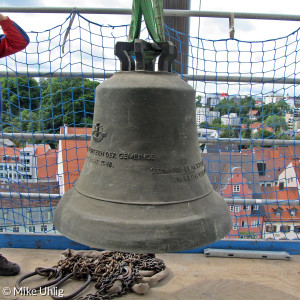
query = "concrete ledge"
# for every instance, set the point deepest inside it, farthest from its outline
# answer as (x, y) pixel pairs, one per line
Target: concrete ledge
(193, 277)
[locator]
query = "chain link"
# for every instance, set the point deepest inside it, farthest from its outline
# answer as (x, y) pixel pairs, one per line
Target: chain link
(108, 268)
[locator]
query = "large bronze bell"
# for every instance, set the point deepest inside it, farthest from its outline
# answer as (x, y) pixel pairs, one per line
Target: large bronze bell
(143, 187)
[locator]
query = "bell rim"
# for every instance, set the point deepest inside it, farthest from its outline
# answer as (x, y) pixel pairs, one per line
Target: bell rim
(161, 235)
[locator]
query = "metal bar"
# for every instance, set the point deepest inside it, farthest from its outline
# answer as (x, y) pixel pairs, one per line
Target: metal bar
(102, 75)
(15, 195)
(261, 201)
(250, 79)
(167, 12)
(211, 78)
(248, 142)
(82, 137)
(46, 136)
(281, 255)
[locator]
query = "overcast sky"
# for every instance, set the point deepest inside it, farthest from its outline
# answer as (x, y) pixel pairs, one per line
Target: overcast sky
(209, 27)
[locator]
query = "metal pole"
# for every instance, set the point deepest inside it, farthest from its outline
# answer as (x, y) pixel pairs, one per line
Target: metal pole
(15, 195)
(104, 75)
(181, 41)
(167, 12)
(44, 136)
(261, 201)
(87, 137)
(248, 142)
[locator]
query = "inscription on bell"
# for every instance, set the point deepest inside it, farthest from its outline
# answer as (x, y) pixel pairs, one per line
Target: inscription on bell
(184, 173)
(122, 155)
(176, 170)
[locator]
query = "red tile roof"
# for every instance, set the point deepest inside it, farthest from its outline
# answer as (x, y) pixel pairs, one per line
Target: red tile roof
(73, 154)
(253, 112)
(286, 194)
(276, 160)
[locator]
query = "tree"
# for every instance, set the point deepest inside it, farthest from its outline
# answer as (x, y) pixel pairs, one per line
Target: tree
(31, 106)
(225, 107)
(198, 101)
(18, 94)
(262, 134)
(276, 122)
(228, 132)
(216, 122)
(66, 101)
(246, 134)
(282, 106)
(204, 125)
(246, 104)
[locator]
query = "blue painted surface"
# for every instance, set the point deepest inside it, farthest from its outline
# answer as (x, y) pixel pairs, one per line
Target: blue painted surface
(46, 241)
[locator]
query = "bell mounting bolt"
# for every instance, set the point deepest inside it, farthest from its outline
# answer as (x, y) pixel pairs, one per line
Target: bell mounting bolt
(145, 55)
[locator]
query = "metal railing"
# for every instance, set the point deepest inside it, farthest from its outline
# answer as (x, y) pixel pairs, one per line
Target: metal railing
(167, 12)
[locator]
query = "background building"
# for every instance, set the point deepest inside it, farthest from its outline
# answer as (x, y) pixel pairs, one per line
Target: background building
(203, 114)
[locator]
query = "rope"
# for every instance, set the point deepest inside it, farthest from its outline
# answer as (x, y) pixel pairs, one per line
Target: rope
(153, 17)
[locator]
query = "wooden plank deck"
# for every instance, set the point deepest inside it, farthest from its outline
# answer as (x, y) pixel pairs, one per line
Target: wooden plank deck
(192, 277)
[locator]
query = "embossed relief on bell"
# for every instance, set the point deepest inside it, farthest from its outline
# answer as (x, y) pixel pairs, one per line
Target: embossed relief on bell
(98, 133)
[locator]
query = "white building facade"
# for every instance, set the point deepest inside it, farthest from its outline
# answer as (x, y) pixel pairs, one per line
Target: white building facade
(272, 99)
(21, 165)
(231, 119)
(203, 114)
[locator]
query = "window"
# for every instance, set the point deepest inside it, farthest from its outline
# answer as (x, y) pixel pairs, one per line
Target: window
(254, 223)
(255, 207)
(44, 228)
(297, 229)
(235, 227)
(246, 207)
(244, 224)
(281, 185)
(270, 228)
(236, 188)
(278, 212)
(285, 228)
(231, 208)
(16, 229)
(1, 229)
(31, 228)
(27, 169)
(293, 212)
(261, 167)
(236, 208)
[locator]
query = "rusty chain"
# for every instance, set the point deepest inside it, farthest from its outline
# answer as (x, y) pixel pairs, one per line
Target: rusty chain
(114, 272)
